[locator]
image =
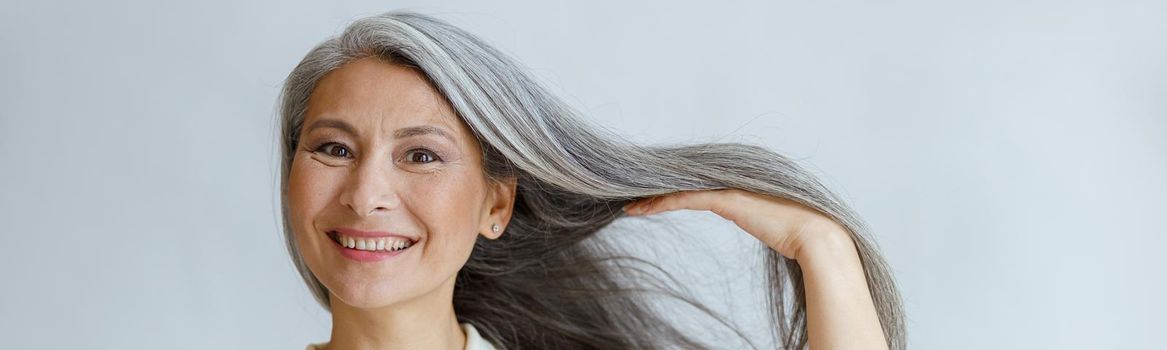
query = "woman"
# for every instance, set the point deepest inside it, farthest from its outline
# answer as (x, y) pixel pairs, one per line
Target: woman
(435, 197)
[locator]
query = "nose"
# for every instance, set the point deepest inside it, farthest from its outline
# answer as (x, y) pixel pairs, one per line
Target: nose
(369, 190)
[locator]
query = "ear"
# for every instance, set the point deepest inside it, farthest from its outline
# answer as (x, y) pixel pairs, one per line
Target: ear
(500, 203)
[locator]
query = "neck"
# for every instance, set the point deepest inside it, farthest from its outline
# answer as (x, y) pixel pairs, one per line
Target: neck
(425, 322)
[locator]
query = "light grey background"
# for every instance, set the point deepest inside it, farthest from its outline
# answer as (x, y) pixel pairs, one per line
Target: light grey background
(1009, 155)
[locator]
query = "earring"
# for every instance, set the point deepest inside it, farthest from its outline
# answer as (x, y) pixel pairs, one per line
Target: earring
(494, 228)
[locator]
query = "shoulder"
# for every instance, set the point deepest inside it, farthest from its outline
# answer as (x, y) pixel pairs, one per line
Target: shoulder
(474, 341)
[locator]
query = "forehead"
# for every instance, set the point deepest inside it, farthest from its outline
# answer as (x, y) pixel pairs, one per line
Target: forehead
(370, 94)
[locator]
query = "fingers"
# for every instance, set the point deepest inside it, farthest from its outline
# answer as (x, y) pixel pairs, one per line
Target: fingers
(692, 200)
(640, 206)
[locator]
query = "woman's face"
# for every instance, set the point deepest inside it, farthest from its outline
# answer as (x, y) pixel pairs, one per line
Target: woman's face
(380, 151)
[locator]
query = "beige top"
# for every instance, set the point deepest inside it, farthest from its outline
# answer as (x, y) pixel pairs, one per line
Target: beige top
(473, 340)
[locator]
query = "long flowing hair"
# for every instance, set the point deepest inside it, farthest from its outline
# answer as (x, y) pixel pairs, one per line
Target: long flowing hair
(546, 282)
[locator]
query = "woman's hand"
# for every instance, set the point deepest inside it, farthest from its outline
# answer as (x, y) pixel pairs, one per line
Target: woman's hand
(782, 224)
(840, 311)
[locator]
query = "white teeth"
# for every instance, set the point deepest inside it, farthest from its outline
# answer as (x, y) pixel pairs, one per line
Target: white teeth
(373, 244)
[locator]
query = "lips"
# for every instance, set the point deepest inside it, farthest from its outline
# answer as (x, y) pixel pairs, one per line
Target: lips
(373, 244)
(369, 249)
(352, 232)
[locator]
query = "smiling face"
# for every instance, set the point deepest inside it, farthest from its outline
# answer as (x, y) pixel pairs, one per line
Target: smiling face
(381, 150)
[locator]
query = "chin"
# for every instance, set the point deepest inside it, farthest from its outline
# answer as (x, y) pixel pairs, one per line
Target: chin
(367, 294)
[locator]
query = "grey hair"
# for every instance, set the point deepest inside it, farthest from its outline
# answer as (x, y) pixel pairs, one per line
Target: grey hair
(544, 283)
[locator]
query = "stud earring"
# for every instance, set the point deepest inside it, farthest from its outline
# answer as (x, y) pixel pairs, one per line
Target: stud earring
(494, 228)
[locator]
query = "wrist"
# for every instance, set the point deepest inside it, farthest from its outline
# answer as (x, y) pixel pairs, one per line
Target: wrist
(827, 243)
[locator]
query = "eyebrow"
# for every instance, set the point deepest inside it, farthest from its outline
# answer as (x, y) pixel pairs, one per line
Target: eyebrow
(401, 133)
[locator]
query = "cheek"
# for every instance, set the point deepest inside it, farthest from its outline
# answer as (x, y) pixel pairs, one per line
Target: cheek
(449, 206)
(309, 190)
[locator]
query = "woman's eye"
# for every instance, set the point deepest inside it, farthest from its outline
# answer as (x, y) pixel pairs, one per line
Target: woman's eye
(338, 151)
(422, 155)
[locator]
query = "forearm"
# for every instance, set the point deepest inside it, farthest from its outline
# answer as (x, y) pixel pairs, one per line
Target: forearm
(840, 311)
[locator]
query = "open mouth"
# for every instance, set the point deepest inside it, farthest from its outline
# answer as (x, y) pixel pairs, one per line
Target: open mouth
(371, 244)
